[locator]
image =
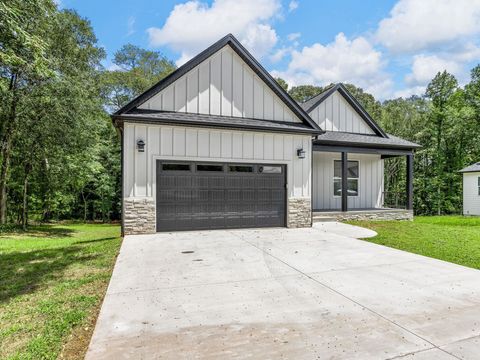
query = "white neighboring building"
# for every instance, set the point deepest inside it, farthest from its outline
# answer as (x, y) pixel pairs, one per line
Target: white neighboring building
(471, 189)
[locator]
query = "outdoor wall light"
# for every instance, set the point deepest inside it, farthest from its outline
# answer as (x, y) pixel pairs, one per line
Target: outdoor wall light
(301, 153)
(141, 145)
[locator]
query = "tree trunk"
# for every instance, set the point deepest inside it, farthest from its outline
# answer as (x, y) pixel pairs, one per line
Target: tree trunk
(84, 207)
(25, 202)
(6, 144)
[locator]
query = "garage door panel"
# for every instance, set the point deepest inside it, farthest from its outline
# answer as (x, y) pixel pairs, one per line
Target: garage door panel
(231, 198)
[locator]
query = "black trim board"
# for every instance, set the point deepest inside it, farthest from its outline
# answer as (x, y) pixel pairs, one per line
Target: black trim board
(363, 150)
(354, 103)
(246, 56)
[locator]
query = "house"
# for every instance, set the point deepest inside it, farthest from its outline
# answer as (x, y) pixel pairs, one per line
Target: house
(471, 189)
(219, 144)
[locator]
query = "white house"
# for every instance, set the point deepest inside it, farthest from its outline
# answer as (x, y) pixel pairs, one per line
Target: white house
(219, 144)
(471, 189)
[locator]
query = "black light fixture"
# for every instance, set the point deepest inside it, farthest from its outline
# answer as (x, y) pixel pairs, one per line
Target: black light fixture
(141, 145)
(301, 153)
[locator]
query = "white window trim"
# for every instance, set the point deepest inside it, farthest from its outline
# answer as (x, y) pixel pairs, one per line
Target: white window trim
(335, 178)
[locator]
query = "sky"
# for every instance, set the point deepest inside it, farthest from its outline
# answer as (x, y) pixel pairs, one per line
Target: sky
(390, 48)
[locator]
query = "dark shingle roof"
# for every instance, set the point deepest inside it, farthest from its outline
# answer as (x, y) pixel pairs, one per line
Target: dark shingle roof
(307, 104)
(472, 168)
(178, 118)
(350, 139)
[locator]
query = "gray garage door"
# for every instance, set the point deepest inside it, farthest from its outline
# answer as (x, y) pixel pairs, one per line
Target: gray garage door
(198, 195)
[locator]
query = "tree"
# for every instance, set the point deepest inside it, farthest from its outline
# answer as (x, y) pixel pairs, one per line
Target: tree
(304, 92)
(283, 84)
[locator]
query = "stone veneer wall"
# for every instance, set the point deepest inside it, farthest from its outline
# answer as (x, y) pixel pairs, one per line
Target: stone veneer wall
(139, 216)
(372, 215)
(299, 212)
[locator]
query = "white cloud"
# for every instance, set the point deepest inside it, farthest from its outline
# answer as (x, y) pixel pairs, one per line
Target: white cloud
(194, 25)
(427, 24)
(131, 25)
(425, 67)
(293, 5)
(354, 61)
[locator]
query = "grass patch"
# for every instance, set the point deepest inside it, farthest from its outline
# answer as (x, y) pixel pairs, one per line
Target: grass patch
(52, 281)
(451, 238)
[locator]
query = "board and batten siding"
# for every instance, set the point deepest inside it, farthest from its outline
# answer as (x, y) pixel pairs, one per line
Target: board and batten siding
(370, 182)
(224, 85)
(204, 144)
(471, 198)
(336, 114)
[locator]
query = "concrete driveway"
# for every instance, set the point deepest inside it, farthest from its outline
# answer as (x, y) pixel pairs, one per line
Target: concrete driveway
(284, 294)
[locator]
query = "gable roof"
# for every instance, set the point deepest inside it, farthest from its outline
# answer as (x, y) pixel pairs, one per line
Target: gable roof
(245, 56)
(472, 168)
(316, 100)
(364, 140)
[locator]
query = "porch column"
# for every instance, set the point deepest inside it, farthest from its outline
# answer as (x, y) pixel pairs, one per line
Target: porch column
(409, 182)
(344, 181)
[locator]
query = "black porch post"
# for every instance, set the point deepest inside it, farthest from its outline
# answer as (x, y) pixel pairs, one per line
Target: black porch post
(409, 182)
(344, 181)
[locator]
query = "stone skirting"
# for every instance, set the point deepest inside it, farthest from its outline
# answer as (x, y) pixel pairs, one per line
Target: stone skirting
(299, 213)
(373, 214)
(139, 216)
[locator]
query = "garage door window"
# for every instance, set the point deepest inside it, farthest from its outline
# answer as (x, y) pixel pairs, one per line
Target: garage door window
(240, 168)
(175, 167)
(270, 169)
(209, 167)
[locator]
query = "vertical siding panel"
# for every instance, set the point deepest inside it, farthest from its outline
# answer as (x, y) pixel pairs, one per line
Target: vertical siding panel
(227, 94)
(226, 142)
(168, 104)
(203, 143)
(328, 114)
(129, 152)
(166, 142)
(335, 106)
(287, 147)
(268, 147)
(258, 142)
(204, 87)
(278, 110)
(247, 92)
(306, 167)
(248, 145)
(297, 167)
(180, 97)
(179, 146)
(150, 151)
(343, 116)
(140, 163)
(268, 104)
(191, 142)
(192, 91)
(237, 145)
(278, 147)
(237, 107)
(287, 115)
(215, 84)
(257, 98)
(215, 146)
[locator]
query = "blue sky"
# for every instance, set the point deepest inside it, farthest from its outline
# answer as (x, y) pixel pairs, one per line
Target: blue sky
(388, 47)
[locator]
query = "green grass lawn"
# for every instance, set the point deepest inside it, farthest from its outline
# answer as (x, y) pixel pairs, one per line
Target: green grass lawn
(52, 281)
(450, 238)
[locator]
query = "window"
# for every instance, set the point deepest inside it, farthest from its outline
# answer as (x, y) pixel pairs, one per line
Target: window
(352, 178)
(240, 168)
(207, 167)
(176, 167)
(270, 169)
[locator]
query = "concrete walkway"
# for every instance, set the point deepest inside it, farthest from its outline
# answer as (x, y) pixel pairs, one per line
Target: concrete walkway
(284, 294)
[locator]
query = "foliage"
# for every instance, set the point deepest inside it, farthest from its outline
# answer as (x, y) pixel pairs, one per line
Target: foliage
(52, 281)
(451, 238)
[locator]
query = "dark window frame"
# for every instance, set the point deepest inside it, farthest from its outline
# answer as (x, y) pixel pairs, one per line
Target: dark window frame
(337, 179)
(166, 164)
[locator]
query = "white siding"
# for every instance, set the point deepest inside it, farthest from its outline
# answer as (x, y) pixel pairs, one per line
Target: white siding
(201, 144)
(336, 114)
(222, 85)
(471, 198)
(370, 183)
